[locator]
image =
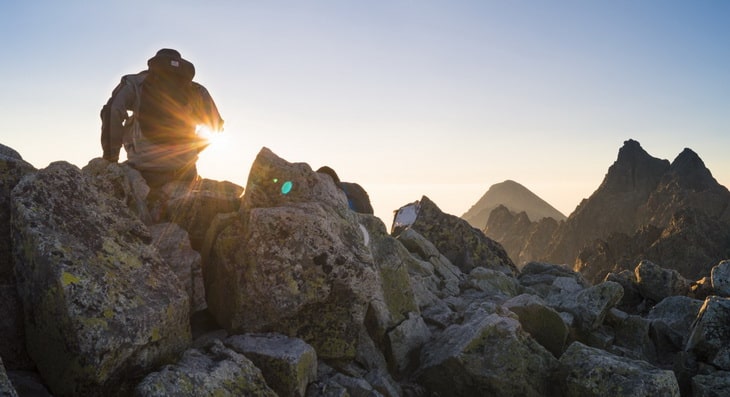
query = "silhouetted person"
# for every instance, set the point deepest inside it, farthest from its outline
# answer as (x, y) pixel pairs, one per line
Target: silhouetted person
(155, 115)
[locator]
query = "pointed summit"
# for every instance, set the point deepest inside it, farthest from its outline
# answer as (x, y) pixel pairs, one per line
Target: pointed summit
(516, 198)
(634, 171)
(690, 172)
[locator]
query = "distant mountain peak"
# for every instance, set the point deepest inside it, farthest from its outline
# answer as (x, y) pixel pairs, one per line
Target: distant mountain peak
(690, 171)
(516, 198)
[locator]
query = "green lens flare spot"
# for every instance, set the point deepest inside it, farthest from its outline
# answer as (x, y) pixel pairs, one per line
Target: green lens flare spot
(286, 187)
(276, 180)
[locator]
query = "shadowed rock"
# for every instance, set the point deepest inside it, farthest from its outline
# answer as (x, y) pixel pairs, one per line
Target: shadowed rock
(214, 370)
(12, 349)
(488, 356)
(710, 339)
(293, 261)
(590, 372)
(288, 364)
(100, 303)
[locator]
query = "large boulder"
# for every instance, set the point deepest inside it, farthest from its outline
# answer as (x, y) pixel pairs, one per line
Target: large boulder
(287, 364)
(294, 260)
(123, 182)
(465, 246)
(590, 372)
(432, 275)
(193, 206)
(213, 370)
(490, 355)
(671, 322)
(404, 343)
(656, 283)
(100, 303)
(541, 321)
(589, 306)
(709, 339)
(12, 349)
(548, 279)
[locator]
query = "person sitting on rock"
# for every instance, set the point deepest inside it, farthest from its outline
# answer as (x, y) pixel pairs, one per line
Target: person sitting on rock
(157, 115)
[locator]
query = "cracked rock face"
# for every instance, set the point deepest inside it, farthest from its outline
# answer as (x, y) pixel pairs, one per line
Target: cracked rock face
(100, 303)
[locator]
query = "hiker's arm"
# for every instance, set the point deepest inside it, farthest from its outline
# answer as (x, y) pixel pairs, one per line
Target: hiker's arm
(122, 101)
(207, 110)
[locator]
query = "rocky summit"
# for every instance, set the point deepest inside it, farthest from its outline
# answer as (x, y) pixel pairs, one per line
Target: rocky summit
(675, 214)
(113, 288)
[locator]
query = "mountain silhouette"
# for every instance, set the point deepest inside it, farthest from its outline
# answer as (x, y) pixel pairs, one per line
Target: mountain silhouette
(675, 214)
(515, 198)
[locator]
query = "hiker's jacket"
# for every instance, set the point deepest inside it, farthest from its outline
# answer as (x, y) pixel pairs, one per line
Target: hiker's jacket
(142, 152)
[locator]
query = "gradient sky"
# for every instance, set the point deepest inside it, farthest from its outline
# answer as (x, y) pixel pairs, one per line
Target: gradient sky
(406, 98)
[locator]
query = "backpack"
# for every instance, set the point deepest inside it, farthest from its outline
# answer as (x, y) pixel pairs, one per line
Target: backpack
(162, 105)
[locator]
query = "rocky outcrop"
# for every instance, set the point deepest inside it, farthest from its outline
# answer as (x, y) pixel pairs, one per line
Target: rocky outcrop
(465, 246)
(295, 261)
(614, 206)
(12, 169)
(100, 303)
(673, 213)
(315, 299)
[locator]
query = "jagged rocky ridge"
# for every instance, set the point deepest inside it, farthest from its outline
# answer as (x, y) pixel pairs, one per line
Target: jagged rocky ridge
(674, 214)
(312, 299)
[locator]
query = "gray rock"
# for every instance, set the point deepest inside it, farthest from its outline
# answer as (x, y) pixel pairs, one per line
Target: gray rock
(287, 364)
(589, 306)
(720, 277)
(709, 339)
(12, 349)
(6, 388)
(541, 321)
(671, 322)
(590, 372)
(715, 384)
(405, 341)
(212, 371)
(440, 275)
(295, 263)
(657, 283)
(99, 301)
(173, 243)
(193, 206)
(494, 283)
(123, 182)
(631, 336)
(542, 278)
(632, 299)
(489, 355)
(394, 297)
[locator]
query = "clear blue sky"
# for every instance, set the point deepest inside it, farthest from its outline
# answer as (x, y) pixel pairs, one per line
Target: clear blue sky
(442, 98)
